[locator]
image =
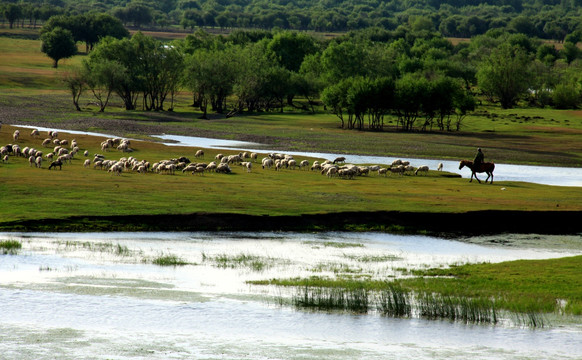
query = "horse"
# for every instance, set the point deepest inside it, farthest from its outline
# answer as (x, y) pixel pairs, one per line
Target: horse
(483, 167)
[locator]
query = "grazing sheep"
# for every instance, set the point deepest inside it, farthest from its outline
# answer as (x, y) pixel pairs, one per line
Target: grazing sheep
(198, 170)
(440, 167)
(211, 167)
(248, 165)
(408, 169)
(219, 157)
(267, 162)
(291, 164)
(363, 170)
(16, 151)
(5, 158)
(98, 164)
(34, 133)
(423, 168)
(116, 169)
(223, 168)
(254, 156)
(382, 171)
(4, 150)
(331, 171)
(86, 153)
(46, 142)
(104, 146)
(31, 160)
(56, 163)
(199, 154)
(49, 156)
(38, 161)
(64, 142)
(396, 162)
(304, 164)
(57, 142)
(16, 135)
(397, 170)
(87, 163)
(374, 167)
(340, 159)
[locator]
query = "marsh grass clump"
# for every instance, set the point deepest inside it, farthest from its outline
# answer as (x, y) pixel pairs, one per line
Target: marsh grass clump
(467, 310)
(10, 247)
(394, 301)
(330, 299)
(333, 244)
(169, 260)
(242, 260)
(373, 258)
(104, 247)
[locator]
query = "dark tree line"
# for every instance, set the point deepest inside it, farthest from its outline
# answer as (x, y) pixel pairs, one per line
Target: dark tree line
(548, 19)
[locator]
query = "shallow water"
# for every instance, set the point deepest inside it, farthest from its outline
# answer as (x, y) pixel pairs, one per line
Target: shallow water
(72, 296)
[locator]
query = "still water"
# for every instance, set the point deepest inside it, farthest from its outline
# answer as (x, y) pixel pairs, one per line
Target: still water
(98, 296)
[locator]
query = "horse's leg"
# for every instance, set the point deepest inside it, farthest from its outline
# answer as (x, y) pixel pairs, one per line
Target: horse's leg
(475, 174)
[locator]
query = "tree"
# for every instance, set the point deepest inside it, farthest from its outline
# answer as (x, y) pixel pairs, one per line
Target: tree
(58, 44)
(12, 13)
(75, 82)
(101, 77)
(505, 75)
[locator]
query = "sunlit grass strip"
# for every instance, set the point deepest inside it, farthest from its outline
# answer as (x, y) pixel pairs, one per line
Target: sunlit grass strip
(117, 249)
(10, 247)
(169, 260)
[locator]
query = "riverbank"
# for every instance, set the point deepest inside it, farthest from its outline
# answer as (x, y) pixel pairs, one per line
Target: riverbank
(470, 223)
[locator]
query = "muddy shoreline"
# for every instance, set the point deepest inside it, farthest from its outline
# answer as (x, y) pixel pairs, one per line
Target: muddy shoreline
(451, 225)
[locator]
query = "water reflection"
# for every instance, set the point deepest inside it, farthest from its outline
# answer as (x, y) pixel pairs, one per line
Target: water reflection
(79, 297)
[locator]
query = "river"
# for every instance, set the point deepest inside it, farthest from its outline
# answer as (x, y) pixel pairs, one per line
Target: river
(98, 296)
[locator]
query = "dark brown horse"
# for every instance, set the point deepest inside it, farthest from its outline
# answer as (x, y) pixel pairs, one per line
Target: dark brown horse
(483, 167)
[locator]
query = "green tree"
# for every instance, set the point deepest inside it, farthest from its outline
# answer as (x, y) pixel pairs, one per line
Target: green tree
(410, 95)
(58, 44)
(75, 82)
(12, 13)
(505, 75)
(101, 78)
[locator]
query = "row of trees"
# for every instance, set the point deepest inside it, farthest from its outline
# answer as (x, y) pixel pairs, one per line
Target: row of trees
(418, 77)
(455, 18)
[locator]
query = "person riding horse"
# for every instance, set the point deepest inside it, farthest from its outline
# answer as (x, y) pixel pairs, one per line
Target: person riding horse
(479, 159)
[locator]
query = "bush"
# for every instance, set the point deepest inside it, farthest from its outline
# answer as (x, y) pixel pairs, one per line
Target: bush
(566, 96)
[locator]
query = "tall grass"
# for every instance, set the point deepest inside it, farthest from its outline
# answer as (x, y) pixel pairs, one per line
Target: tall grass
(329, 299)
(395, 301)
(242, 260)
(467, 310)
(169, 260)
(10, 247)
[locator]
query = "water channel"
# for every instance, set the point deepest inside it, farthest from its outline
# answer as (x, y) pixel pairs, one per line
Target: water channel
(99, 296)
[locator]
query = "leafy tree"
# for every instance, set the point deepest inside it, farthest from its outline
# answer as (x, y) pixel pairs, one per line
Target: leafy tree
(12, 13)
(290, 48)
(410, 94)
(58, 44)
(75, 82)
(570, 51)
(335, 97)
(566, 96)
(504, 75)
(101, 78)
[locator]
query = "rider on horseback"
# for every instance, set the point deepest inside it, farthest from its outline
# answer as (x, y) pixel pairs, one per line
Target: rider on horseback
(479, 158)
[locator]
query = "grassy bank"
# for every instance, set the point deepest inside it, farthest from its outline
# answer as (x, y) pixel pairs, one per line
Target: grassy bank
(33, 193)
(529, 290)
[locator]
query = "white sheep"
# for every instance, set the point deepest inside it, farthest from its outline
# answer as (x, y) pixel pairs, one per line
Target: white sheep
(331, 171)
(397, 169)
(291, 164)
(86, 153)
(440, 166)
(199, 154)
(34, 133)
(38, 161)
(5, 158)
(267, 162)
(16, 135)
(304, 164)
(382, 171)
(87, 163)
(198, 170)
(46, 142)
(31, 161)
(423, 168)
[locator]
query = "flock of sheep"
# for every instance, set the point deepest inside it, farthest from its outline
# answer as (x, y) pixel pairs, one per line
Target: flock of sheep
(63, 152)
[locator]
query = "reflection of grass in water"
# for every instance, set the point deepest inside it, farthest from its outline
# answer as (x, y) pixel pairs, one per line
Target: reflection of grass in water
(372, 258)
(169, 260)
(10, 247)
(242, 260)
(333, 244)
(117, 249)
